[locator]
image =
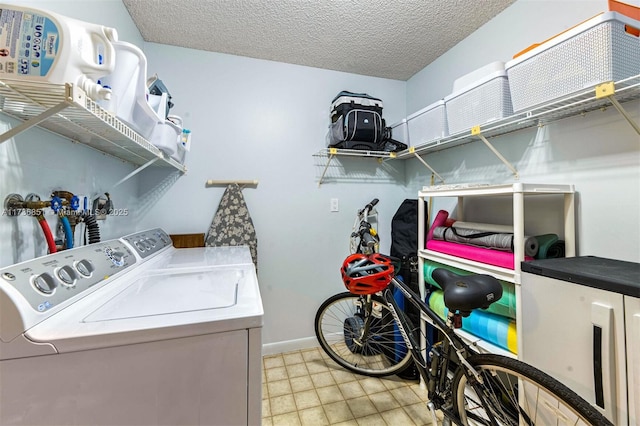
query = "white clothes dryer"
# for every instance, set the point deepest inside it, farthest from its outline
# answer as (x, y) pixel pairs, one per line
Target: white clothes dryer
(131, 331)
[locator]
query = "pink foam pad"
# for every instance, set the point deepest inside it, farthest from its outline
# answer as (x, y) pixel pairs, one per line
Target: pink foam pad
(503, 259)
(439, 220)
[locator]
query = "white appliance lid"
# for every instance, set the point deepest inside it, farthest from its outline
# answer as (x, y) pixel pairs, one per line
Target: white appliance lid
(208, 256)
(170, 293)
(165, 304)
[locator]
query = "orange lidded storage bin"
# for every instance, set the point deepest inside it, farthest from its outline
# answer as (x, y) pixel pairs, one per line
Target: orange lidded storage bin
(603, 48)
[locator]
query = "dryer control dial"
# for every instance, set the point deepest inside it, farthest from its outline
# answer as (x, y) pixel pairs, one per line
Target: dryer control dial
(84, 267)
(67, 275)
(118, 258)
(44, 283)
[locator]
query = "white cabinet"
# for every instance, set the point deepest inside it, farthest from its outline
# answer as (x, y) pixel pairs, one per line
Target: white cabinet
(517, 193)
(581, 324)
(632, 328)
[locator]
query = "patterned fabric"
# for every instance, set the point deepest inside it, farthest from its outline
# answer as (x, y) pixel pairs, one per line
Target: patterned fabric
(232, 224)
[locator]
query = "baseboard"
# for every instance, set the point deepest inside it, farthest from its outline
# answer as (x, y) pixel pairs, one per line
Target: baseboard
(289, 346)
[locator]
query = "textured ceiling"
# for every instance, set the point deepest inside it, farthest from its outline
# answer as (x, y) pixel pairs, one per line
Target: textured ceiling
(382, 38)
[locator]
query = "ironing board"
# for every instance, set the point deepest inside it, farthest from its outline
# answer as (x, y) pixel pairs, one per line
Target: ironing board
(232, 224)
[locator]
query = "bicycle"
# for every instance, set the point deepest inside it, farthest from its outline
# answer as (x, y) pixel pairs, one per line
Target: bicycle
(342, 317)
(359, 330)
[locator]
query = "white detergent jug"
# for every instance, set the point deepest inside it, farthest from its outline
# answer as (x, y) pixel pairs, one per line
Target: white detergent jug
(128, 83)
(44, 46)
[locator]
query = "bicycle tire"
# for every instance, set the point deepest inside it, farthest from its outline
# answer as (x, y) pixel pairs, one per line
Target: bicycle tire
(377, 355)
(502, 377)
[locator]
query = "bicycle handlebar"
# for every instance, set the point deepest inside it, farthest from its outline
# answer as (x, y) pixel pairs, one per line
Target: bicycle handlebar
(371, 204)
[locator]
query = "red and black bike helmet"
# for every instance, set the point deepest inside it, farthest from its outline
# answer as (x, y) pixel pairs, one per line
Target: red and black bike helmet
(364, 274)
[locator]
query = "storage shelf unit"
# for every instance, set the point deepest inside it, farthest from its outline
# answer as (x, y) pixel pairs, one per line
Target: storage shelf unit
(67, 111)
(518, 192)
(588, 100)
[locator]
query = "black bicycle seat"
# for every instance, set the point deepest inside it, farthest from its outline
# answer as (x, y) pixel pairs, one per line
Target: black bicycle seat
(464, 293)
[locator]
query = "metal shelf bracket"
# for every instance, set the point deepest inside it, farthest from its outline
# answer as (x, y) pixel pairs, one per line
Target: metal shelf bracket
(475, 131)
(332, 153)
(33, 121)
(412, 150)
(608, 90)
(135, 172)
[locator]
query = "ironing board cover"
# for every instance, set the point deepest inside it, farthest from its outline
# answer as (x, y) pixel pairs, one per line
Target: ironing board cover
(232, 224)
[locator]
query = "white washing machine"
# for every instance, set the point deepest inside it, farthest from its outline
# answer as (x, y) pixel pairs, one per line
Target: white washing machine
(131, 332)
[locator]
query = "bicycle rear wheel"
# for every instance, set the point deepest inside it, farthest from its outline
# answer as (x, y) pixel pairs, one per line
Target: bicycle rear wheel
(341, 325)
(519, 394)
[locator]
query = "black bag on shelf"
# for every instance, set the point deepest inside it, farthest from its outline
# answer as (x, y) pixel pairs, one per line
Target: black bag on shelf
(357, 123)
(356, 117)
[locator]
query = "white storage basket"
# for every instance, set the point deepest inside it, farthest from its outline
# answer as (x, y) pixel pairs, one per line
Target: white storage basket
(478, 98)
(400, 132)
(598, 50)
(428, 124)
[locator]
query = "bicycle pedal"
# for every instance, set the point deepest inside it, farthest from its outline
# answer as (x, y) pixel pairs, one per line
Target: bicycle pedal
(432, 410)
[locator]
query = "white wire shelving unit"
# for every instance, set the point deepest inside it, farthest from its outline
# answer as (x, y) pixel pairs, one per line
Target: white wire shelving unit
(66, 110)
(599, 97)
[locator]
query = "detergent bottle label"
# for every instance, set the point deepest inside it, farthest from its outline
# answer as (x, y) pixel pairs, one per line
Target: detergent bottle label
(29, 43)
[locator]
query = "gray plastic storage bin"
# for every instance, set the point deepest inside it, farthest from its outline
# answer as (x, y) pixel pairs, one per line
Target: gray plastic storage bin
(598, 50)
(478, 98)
(428, 124)
(400, 132)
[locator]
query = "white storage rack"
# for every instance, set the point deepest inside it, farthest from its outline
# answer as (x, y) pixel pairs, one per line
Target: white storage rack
(518, 192)
(600, 97)
(66, 110)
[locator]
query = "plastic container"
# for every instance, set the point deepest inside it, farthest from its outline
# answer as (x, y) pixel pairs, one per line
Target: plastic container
(603, 48)
(185, 139)
(166, 137)
(478, 98)
(428, 124)
(128, 82)
(180, 154)
(43, 46)
(400, 131)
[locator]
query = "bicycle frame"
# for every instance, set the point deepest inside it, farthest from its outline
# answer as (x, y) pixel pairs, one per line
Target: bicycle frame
(434, 375)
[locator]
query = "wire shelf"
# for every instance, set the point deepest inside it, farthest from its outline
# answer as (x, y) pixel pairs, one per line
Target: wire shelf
(78, 118)
(569, 106)
(354, 153)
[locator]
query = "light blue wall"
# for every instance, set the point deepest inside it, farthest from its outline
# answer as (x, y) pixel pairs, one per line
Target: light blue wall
(599, 152)
(256, 119)
(250, 119)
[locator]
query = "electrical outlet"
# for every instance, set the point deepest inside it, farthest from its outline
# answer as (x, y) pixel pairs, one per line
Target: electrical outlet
(334, 205)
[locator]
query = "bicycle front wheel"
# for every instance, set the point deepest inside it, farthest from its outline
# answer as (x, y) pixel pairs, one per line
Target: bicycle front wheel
(363, 343)
(516, 393)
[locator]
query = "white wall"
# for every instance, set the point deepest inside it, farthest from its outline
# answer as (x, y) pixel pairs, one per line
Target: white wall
(256, 119)
(598, 152)
(37, 161)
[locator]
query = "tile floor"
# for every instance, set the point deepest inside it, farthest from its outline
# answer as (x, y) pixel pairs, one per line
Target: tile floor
(308, 388)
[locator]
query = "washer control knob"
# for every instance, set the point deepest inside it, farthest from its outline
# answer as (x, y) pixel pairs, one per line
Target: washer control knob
(118, 258)
(44, 283)
(85, 267)
(67, 275)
